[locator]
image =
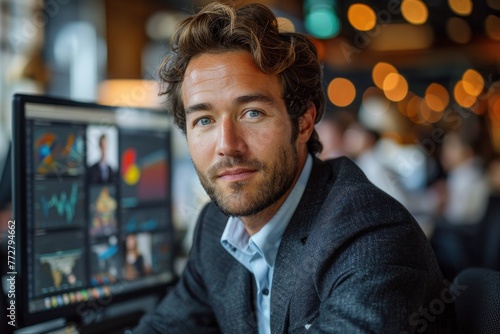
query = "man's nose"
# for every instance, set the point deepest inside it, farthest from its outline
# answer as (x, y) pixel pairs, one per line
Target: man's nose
(230, 138)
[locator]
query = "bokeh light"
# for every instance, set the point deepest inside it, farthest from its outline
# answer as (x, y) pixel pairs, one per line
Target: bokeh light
(380, 72)
(461, 7)
(458, 30)
(461, 96)
(492, 27)
(341, 92)
(285, 25)
(413, 110)
(322, 22)
(403, 104)
(494, 4)
(414, 11)
(320, 47)
(473, 82)
(429, 115)
(494, 103)
(395, 87)
(436, 97)
(361, 17)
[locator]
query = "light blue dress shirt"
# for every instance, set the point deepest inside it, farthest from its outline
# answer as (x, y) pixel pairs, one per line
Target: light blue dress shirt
(258, 252)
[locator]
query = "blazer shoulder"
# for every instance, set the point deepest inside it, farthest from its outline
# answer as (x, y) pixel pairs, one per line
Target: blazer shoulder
(350, 204)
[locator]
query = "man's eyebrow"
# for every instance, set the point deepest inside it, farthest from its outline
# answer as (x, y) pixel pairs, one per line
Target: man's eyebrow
(252, 98)
(198, 107)
(239, 100)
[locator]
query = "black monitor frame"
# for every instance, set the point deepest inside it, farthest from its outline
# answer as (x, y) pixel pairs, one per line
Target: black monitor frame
(73, 313)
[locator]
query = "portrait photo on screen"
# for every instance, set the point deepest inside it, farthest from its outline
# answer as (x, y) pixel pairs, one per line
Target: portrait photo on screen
(137, 255)
(102, 154)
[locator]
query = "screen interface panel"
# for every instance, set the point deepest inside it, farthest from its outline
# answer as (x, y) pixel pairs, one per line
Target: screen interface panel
(96, 203)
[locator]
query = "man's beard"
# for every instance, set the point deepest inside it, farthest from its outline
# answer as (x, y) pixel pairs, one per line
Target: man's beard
(247, 198)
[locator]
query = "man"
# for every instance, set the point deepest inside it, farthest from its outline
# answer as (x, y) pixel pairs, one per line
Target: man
(101, 172)
(289, 244)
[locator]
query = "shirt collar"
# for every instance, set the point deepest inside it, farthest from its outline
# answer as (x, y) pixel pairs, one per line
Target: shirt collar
(267, 240)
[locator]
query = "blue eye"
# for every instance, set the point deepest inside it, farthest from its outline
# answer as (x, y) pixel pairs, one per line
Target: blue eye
(253, 113)
(204, 121)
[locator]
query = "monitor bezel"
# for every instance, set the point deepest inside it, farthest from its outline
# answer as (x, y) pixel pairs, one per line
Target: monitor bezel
(69, 312)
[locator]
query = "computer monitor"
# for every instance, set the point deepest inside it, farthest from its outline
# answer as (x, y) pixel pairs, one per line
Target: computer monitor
(92, 194)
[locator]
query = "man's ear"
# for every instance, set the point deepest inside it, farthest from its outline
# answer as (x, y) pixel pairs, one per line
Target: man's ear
(306, 124)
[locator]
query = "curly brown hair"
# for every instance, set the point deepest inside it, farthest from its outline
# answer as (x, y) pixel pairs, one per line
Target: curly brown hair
(253, 28)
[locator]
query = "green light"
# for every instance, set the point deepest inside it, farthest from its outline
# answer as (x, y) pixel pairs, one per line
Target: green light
(322, 22)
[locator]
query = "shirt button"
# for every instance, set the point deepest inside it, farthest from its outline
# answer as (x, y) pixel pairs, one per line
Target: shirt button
(265, 292)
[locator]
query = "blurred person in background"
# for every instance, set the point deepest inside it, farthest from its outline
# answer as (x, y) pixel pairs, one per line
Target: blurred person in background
(331, 133)
(462, 198)
(466, 190)
(360, 144)
(489, 231)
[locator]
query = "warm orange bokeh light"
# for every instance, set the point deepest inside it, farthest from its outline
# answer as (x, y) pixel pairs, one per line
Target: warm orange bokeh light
(473, 82)
(380, 71)
(458, 30)
(461, 7)
(413, 110)
(285, 25)
(414, 11)
(495, 108)
(403, 104)
(436, 97)
(361, 17)
(429, 115)
(492, 27)
(395, 87)
(494, 4)
(320, 47)
(461, 96)
(129, 92)
(341, 92)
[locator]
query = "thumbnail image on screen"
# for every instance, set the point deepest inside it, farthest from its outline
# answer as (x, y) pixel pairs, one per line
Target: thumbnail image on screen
(145, 219)
(102, 154)
(58, 150)
(103, 207)
(105, 262)
(137, 256)
(144, 168)
(146, 254)
(59, 203)
(59, 262)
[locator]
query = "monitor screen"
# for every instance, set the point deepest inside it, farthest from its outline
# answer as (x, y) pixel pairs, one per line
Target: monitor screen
(91, 206)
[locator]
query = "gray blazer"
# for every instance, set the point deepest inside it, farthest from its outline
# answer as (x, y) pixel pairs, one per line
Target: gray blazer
(352, 260)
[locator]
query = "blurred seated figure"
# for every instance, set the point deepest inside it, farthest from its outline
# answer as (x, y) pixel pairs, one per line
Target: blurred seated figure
(360, 144)
(331, 133)
(466, 190)
(489, 237)
(462, 202)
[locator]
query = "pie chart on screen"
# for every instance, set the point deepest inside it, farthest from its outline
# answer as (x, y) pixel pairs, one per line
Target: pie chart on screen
(130, 171)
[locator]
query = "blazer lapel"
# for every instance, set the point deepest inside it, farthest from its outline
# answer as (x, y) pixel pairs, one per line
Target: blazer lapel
(231, 286)
(290, 265)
